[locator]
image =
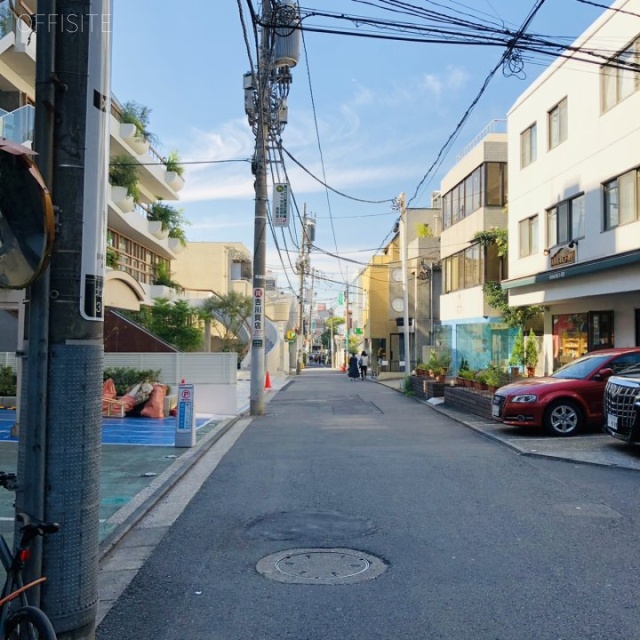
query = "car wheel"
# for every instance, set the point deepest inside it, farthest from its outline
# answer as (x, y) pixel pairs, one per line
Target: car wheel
(563, 418)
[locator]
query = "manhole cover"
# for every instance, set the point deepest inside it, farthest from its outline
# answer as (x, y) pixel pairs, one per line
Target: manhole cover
(321, 566)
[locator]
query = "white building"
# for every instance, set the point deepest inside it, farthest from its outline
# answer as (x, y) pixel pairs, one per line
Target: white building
(574, 192)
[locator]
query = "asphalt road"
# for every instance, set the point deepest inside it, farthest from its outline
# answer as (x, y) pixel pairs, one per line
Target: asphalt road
(438, 532)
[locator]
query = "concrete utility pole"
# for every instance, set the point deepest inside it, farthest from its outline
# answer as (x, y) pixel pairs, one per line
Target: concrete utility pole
(266, 106)
(302, 264)
(69, 402)
(405, 292)
(33, 399)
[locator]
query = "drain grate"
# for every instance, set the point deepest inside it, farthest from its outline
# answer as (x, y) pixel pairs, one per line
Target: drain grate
(321, 566)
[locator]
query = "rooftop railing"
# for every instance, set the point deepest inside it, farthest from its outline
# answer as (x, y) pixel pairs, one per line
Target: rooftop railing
(495, 126)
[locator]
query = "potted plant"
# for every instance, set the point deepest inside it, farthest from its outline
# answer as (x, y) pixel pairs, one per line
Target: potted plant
(432, 364)
(467, 376)
(516, 360)
(481, 379)
(495, 378)
(422, 370)
(123, 172)
(444, 362)
(464, 366)
(531, 354)
(113, 256)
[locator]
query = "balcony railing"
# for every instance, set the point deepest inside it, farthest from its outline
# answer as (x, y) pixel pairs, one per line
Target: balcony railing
(17, 125)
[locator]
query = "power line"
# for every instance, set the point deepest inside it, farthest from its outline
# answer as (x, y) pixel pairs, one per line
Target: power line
(344, 195)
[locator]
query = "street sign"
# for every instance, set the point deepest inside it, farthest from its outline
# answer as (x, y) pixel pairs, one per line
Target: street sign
(186, 417)
(257, 323)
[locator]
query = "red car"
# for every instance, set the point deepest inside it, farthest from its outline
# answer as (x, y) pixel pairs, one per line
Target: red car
(567, 400)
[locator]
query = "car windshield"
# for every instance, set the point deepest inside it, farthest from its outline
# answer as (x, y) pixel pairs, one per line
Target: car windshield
(582, 367)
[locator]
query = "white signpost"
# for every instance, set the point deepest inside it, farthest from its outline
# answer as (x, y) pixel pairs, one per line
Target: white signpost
(186, 417)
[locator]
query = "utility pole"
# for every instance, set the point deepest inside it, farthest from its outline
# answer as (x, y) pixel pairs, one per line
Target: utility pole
(347, 322)
(302, 264)
(266, 105)
(309, 325)
(33, 399)
(405, 294)
(66, 416)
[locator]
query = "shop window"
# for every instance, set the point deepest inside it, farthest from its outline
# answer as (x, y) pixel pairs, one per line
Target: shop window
(601, 334)
(570, 337)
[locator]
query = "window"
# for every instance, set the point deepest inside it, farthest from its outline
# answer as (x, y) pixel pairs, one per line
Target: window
(464, 269)
(528, 235)
(621, 201)
(565, 222)
(558, 124)
(496, 181)
(619, 78)
(485, 186)
(528, 146)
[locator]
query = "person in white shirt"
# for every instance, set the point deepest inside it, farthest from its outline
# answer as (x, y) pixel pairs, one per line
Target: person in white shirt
(364, 363)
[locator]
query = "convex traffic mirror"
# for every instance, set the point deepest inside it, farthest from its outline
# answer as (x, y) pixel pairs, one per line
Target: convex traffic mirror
(26, 218)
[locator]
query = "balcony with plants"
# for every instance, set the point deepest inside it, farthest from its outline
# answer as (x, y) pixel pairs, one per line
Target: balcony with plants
(159, 177)
(131, 217)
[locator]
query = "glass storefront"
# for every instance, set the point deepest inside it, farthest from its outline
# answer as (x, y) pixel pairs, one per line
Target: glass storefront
(578, 333)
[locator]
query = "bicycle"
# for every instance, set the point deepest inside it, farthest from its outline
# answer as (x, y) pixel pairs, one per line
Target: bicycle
(22, 622)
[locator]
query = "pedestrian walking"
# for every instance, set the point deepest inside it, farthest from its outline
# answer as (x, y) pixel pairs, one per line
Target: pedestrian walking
(364, 363)
(353, 371)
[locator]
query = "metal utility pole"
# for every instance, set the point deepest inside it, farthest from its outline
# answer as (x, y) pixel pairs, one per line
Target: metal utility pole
(68, 403)
(266, 106)
(405, 294)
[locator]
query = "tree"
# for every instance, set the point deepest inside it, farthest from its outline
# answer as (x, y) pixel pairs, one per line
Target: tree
(517, 352)
(330, 326)
(175, 322)
(531, 350)
(497, 297)
(232, 311)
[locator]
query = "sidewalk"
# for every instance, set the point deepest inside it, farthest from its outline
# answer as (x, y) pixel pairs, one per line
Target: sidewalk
(589, 448)
(136, 472)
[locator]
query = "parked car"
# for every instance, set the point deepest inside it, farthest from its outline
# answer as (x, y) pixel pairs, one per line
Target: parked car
(567, 400)
(622, 406)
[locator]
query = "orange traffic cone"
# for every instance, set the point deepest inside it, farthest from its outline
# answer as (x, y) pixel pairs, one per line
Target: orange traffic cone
(267, 381)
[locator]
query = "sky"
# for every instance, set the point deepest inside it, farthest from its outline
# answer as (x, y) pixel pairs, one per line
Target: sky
(366, 116)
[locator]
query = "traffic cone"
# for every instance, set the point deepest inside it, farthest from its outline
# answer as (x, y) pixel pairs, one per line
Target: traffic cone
(267, 381)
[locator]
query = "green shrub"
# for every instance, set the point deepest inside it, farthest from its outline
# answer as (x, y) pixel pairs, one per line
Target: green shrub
(125, 377)
(8, 381)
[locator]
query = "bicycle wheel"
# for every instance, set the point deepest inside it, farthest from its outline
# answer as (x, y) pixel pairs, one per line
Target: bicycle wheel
(29, 623)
